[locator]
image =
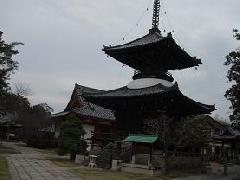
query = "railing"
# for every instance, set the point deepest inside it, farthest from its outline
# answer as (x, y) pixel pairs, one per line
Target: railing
(162, 75)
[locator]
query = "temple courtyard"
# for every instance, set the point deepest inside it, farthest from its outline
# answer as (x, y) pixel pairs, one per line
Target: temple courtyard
(25, 163)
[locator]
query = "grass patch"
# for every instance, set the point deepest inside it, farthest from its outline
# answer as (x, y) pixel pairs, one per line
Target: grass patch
(49, 153)
(96, 174)
(184, 173)
(8, 150)
(86, 173)
(52, 151)
(64, 162)
(4, 172)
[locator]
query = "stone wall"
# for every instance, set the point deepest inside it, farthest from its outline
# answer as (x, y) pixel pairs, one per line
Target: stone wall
(142, 159)
(176, 162)
(104, 159)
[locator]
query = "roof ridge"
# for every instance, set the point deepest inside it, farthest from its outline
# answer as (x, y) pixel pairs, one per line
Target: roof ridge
(145, 135)
(149, 34)
(85, 89)
(78, 85)
(124, 88)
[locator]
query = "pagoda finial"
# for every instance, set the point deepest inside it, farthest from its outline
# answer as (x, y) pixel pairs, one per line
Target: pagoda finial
(156, 10)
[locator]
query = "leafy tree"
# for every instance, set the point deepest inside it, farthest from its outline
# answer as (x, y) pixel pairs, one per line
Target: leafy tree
(7, 64)
(14, 102)
(38, 117)
(71, 137)
(233, 75)
(36, 125)
(31, 117)
(8, 100)
(194, 131)
(236, 34)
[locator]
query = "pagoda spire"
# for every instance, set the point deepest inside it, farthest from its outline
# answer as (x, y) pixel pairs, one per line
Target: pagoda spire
(156, 10)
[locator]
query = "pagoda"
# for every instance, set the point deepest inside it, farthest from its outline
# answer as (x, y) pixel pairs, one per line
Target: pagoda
(153, 92)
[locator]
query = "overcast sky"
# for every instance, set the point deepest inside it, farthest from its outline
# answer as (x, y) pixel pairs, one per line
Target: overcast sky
(63, 41)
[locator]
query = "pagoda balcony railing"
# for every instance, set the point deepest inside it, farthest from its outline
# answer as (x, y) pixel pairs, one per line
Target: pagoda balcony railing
(136, 72)
(161, 75)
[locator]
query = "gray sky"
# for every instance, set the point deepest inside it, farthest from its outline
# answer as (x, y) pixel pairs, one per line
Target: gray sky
(63, 41)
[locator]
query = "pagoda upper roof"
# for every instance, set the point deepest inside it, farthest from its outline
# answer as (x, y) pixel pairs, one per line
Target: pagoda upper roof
(155, 98)
(152, 51)
(145, 40)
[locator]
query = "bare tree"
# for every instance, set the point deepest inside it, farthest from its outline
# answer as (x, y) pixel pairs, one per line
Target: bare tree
(22, 89)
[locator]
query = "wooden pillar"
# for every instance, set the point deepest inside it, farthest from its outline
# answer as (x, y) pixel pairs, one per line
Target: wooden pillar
(133, 161)
(225, 159)
(150, 156)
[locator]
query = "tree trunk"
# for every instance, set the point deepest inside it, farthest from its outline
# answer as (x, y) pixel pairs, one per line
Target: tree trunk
(73, 156)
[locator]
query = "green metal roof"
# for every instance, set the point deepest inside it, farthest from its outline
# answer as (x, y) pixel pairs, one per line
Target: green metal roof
(141, 138)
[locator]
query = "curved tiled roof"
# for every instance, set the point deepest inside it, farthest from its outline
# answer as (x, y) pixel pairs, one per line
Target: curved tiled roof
(152, 51)
(157, 97)
(145, 40)
(126, 92)
(87, 108)
(92, 110)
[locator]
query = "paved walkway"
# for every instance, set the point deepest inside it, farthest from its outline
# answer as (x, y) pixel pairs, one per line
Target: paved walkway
(31, 164)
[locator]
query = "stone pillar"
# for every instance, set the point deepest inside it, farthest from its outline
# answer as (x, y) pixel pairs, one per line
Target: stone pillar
(133, 159)
(116, 165)
(79, 159)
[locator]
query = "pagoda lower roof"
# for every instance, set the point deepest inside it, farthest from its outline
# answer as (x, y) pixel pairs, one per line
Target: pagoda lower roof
(152, 51)
(125, 92)
(156, 98)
